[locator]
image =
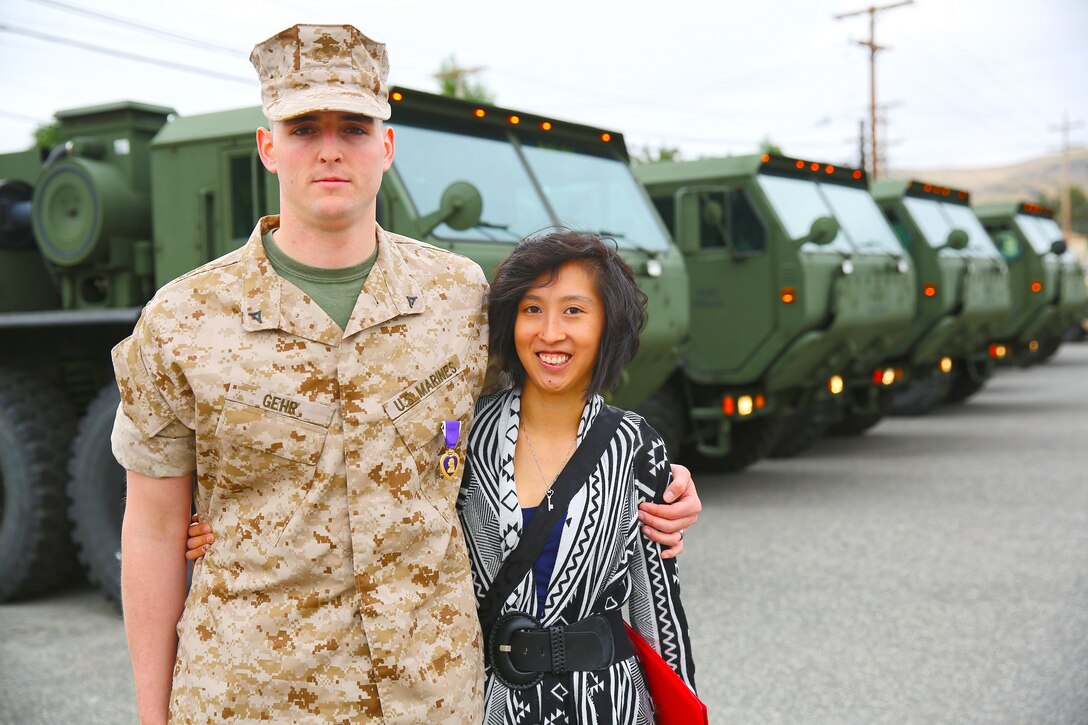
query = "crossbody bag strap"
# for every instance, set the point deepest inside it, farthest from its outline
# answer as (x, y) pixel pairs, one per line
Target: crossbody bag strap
(540, 526)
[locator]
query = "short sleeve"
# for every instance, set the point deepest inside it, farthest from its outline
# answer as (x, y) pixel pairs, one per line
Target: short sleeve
(150, 434)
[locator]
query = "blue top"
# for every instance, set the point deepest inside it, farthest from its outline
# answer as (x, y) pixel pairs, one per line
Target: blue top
(545, 563)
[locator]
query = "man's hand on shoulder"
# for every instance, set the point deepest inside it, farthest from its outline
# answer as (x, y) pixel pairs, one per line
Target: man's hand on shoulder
(665, 523)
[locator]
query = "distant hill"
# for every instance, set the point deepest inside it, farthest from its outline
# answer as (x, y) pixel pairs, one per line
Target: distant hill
(1016, 182)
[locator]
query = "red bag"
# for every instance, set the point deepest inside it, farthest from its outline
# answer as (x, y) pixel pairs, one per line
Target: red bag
(674, 702)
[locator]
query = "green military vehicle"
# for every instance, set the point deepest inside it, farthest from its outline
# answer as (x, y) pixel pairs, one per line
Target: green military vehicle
(1046, 281)
(137, 196)
(962, 292)
(798, 289)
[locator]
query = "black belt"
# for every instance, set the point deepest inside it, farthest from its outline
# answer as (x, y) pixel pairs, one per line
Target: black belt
(520, 650)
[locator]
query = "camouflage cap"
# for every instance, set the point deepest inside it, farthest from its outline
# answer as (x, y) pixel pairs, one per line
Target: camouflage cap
(308, 68)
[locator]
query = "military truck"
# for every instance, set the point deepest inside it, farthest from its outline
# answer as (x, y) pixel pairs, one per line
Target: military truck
(1046, 281)
(138, 195)
(962, 292)
(798, 288)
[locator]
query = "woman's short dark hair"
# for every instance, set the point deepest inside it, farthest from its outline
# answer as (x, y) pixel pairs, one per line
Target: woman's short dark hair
(544, 254)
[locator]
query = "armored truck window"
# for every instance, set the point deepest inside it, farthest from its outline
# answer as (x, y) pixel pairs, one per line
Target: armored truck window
(247, 194)
(798, 203)
(861, 218)
(1032, 229)
(429, 160)
(597, 194)
(1005, 240)
(926, 213)
(978, 241)
(747, 235)
(666, 208)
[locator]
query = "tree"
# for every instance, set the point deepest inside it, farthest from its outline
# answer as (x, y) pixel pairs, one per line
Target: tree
(767, 146)
(647, 155)
(1078, 206)
(47, 136)
(454, 83)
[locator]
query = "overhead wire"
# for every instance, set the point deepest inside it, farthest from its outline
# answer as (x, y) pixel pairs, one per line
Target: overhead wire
(71, 42)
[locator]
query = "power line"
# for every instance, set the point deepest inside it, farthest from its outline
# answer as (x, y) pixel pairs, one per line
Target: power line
(871, 44)
(1066, 207)
(6, 28)
(21, 117)
(125, 22)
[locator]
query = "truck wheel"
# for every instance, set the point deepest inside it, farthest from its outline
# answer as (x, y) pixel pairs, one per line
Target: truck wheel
(664, 411)
(855, 423)
(96, 487)
(802, 429)
(923, 395)
(1047, 348)
(749, 442)
(964, 384)
(36, 427)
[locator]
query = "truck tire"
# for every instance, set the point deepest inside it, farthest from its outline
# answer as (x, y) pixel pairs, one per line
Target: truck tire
(802, 429)
(750, 441)
(964, 384)
(1047, 348)
(96, 488)
(855, 423)
(922, 396)
(36, 425)
(664, 411)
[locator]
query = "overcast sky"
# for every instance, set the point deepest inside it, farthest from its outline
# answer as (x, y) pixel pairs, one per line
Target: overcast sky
(970, 82)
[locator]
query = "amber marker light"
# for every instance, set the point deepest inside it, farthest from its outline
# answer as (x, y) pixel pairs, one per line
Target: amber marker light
(745, 405)
(1036, 286)
(546, 126)
(814, 166)
(729, 406)
(1033, 346)
(479, 113)
(930, 290)
(800, 164)
(946, 365)
(761, 402)
(606, 137)
(789, 295)
(397, 96)
(765, 158)
(515, 120)
(829, 169)
(835, 384)
(857, 174)
(998, 351)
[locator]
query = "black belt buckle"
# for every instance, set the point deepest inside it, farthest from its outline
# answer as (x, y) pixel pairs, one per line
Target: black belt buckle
(499, 647)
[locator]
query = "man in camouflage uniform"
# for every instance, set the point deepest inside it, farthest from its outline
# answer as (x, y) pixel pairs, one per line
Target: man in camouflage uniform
(339, 588)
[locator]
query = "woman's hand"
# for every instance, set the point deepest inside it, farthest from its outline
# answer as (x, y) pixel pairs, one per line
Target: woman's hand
(200, 539)
(665, 523)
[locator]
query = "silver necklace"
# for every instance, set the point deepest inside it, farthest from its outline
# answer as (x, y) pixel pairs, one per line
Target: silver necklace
(540, 469)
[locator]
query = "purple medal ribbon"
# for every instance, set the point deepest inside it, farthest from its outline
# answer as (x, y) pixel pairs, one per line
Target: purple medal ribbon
(452, 431)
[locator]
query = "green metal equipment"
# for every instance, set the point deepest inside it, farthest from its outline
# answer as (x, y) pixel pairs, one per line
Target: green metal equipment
(1046, 282)
(138, 196)
(962, 293)
(798, 289)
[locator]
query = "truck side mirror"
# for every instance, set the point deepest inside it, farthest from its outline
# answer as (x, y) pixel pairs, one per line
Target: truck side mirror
(460, 208)
(1059, 247)
(823, 231)
(957, 239)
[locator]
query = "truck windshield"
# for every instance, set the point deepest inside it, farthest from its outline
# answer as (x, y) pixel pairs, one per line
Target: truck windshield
(1039, 235)
(860, 217)
(927, 215)
(429, 160)
(979, 243)
(598, 194)
(798, 203)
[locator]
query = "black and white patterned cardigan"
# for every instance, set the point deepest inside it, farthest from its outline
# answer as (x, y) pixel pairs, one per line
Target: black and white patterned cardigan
(603, 561)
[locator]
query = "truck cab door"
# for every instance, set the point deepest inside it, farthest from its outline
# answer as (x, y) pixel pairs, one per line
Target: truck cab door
(724, 241)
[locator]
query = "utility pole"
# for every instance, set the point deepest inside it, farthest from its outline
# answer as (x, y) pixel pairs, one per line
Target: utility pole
(873, 48)
(457, 75)
(1067, 201)
(861, 143)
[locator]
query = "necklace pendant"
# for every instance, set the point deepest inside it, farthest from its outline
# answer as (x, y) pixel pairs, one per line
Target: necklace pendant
(549, 496)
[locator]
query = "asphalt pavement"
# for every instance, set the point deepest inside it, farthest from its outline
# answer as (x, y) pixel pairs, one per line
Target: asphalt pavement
(934, 570)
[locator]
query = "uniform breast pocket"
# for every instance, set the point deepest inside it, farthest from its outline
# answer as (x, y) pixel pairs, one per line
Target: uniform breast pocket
(420, 428)
(269, 448)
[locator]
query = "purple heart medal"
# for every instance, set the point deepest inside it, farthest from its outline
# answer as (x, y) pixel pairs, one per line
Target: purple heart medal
(450, 463)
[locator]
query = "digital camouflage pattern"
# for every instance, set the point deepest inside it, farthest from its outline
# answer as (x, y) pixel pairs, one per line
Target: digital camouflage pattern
(338, 589)
(309, 68)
